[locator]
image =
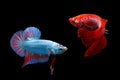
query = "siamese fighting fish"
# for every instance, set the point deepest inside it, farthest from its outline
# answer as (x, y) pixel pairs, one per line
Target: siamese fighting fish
(91, 30)
(27, 43)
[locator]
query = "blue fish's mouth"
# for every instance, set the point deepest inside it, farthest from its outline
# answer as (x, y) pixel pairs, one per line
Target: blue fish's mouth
(65, 48)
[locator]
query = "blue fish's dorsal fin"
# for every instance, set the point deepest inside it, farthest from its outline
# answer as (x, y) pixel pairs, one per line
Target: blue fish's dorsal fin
(34, 58)
(32, 32)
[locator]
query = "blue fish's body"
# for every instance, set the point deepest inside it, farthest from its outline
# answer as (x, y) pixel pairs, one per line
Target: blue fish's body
(42, 46)
(28, 44)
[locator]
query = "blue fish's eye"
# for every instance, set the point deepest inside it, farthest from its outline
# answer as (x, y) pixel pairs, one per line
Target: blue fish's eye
(60, 49)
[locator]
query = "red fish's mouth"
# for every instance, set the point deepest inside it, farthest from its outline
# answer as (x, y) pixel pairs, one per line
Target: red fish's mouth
(71, 20)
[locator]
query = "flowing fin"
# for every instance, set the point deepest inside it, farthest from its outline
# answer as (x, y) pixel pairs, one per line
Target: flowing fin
(16, 43)
(53, 58)
(34, 58)
(96, 47)
(32, 32)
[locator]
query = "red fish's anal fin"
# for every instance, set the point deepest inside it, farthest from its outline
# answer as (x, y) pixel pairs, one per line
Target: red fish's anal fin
(53, 58)
(34, 58)
(96, 47)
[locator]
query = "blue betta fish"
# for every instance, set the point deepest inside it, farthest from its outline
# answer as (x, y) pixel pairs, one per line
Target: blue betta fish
(28, 44)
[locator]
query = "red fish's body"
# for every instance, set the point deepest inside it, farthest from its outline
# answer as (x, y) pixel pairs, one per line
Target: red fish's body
(91, 30)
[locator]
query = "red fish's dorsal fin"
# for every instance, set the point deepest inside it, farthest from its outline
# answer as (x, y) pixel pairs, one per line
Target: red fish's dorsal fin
(31, 58)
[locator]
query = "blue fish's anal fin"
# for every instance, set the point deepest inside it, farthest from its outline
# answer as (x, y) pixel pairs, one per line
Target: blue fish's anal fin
(34, 58)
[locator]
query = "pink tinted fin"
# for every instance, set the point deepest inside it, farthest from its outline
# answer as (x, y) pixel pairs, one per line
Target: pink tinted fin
(53, 58)
(34, 58)
(32, 32)
(16, 43)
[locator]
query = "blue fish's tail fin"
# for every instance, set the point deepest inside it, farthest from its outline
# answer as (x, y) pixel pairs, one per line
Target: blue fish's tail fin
(16, 43)
(34, 58)
(32, 32)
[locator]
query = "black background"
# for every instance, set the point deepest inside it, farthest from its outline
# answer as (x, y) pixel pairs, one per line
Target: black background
(51, 17)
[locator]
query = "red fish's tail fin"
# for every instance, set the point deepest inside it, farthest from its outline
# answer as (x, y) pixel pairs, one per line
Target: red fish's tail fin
(96, 47)
(16, 43)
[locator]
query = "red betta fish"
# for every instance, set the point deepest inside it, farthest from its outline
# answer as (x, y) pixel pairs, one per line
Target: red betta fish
(91, 30)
